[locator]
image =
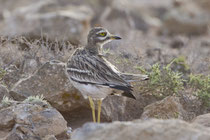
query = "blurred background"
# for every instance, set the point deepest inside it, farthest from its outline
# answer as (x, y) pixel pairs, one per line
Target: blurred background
(156, 31)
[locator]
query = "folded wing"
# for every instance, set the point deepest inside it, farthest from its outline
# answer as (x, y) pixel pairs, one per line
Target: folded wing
(89, 69)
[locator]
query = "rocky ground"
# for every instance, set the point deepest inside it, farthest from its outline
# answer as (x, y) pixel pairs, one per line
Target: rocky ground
(39, 103)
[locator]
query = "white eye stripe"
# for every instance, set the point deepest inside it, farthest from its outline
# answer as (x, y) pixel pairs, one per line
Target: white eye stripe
(102, 38)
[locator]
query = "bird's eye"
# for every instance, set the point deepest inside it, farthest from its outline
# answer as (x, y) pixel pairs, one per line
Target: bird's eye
(102, 34)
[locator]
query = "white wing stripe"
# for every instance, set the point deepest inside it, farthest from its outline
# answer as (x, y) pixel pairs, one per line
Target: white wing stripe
(77, 70)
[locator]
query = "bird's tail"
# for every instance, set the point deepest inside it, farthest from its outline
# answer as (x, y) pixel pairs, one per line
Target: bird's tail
(134, 77)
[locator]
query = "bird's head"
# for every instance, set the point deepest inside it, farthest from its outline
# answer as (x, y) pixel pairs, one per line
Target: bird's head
(100, 36)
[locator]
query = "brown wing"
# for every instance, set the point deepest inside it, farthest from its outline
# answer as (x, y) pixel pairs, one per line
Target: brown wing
(91, 69)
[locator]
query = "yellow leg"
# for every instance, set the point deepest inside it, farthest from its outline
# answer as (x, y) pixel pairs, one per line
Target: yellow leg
(99, 110)
(92, 106)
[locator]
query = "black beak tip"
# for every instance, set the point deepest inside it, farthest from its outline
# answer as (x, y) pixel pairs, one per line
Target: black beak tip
(117, 38)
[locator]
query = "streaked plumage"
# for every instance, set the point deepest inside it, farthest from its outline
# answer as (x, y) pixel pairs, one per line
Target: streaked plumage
(92, 74)
(93, 70)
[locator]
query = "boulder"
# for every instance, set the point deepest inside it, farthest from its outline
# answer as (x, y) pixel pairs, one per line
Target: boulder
(152, 129)
(194, 21)
(21, 57)
(30, 121)
(115, 108)
(131, 15)
(202, 120)
(46, 17)
(168, 108)
(205, 4)
(51, 82)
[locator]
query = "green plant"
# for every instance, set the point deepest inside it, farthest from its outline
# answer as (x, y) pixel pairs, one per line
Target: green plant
(181, 62)
(142, 70)
(35, 99)
(6, 101)
(163, 81)
(201, 86)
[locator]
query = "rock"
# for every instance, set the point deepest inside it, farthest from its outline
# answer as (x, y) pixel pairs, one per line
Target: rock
(178, 42)
(97, 6)
(205, 4)
(168, 108)
(46, 17)
(115, 108)
(187, 19)
(202, 120)
(51, 82)
(135, 15)
(3, 92)
(148, 130)
(30, 121)
(21, 57)
(49, 137)
(30, 66)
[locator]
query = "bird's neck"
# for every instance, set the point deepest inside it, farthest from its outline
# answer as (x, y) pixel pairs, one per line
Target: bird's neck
(94, 48)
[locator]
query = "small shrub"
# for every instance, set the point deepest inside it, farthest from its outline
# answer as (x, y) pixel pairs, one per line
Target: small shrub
(36, 99)
(201, 87)
(180, 64)
(6, 101)
(163, 81)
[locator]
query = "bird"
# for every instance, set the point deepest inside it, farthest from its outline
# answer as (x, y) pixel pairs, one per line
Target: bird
(94, 76)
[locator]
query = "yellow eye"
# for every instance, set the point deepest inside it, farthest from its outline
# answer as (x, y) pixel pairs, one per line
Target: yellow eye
(102, 34)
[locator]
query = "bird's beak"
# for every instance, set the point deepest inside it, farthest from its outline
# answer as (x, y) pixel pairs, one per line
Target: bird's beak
(114, 37)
